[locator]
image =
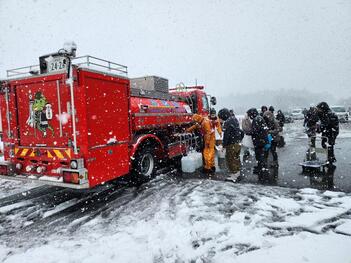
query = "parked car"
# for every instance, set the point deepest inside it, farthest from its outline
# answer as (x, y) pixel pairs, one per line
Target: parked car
(341, 112)
(297, 114)
(288, 117)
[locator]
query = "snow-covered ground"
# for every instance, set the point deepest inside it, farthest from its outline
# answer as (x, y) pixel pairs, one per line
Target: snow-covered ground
(177, 219)
(8, 187)
(188, 220)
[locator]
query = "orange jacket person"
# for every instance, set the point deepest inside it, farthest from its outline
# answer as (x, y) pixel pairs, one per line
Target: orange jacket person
(208, 133)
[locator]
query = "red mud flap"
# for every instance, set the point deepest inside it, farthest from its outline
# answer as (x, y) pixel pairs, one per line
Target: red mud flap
(43, 181)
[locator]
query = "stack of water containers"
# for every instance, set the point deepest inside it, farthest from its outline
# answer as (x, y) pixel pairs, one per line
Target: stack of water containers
(191, 162)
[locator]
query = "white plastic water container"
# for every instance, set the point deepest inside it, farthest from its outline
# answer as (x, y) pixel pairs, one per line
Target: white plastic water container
(188, 164)
(191, 162)
(199, 161)
(247, 142)
(217, 162)
(220, 158)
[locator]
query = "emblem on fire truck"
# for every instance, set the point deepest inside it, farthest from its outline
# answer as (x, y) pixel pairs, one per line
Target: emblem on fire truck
(40, 112)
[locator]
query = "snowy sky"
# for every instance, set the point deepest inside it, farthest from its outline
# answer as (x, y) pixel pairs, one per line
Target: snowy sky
(226, 45)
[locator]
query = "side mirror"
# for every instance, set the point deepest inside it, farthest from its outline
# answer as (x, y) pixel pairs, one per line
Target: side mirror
(213, 100)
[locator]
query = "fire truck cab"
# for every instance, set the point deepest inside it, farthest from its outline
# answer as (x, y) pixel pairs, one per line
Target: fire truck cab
(80, 121)
(196, 97)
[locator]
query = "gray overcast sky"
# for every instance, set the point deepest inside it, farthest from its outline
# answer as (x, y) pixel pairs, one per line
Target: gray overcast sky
(229, 46)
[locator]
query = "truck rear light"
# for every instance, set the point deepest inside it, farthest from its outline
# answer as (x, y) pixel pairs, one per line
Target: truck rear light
(74, 164)
(19, 166)
(7, 168)
(29, 168)
(3, 169)
(41, 169)
(71, 177)
(77, 164)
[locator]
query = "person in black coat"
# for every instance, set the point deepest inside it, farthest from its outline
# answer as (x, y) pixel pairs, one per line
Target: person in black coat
(280, 118)
(329, 128)
(232, 137)
(259, 138)
(310, 123)
(271, 109)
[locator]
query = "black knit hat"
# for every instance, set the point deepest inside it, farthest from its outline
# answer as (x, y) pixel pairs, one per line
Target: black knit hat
(323, 106)
(252, 113)
(224, 114)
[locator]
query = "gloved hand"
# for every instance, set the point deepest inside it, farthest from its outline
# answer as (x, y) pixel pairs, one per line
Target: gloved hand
(270, 138)
(267, 146)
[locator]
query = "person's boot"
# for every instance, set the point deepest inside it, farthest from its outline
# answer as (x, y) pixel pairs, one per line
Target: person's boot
(255, 170)
(206, 171)
(331, 160)
(275, 164)
(233, 177)
(331, 156)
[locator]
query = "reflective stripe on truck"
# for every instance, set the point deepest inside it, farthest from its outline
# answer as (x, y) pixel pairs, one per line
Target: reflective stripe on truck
(50, 153)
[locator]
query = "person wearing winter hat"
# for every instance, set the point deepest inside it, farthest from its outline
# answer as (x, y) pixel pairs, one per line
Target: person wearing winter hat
(204, 125)
(271, 109)
(329, 128)
(273, 129)
(259, 139)
(231, 142)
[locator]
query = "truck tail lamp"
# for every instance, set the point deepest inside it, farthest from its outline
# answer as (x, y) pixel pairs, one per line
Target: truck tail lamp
(71, 177)
(41, 169)
(19, 166)
(7, 168)
(77, 164)
(75, 176)
(3, 169)
(29, 168)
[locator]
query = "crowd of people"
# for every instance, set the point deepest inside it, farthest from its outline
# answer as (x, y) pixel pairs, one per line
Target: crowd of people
(263, 131)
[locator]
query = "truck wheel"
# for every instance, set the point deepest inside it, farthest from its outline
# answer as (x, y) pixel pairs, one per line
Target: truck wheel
(144, 165)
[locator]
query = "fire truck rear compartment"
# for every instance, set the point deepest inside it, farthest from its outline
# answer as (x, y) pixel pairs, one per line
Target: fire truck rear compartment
(83, 127)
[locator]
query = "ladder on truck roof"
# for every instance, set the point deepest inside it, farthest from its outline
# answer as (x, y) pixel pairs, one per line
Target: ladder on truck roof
(87, 61)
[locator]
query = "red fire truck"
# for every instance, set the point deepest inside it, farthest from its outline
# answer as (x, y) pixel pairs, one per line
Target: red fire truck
(80, 121)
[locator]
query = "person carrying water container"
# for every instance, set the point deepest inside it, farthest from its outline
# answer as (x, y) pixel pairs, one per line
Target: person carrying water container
(204, 125)
(232, 137)
(247, 144)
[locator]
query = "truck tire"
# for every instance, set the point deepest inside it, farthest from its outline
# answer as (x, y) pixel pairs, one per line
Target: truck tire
(144, 164)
